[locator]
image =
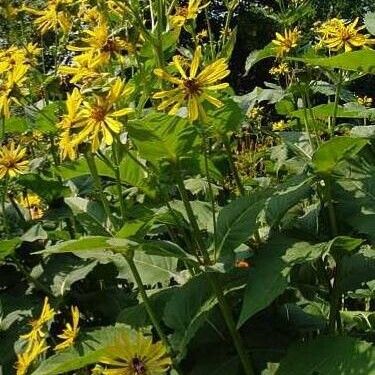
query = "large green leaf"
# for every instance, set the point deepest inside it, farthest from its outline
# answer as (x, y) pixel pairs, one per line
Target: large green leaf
(360, 61)
(370, 22)
(236, 223)
(329, 355)
(291, 192)
(159, 136)
(187, 310)
(268, 277)
(88, 350)
(331, 153)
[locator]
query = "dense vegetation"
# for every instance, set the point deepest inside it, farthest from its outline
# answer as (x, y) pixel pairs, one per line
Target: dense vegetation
(187, 188)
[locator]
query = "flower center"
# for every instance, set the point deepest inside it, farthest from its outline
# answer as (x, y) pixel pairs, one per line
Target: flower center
(192, 87)
(138, 366)
(182, 11)
(98, 113)
(345, 35)
(110, 46)
(9, 162)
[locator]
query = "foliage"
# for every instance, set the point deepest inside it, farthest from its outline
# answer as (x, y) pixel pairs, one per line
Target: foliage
(154, 210)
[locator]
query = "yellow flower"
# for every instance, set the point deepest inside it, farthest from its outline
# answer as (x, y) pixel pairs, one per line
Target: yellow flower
(100, 45)
(285, 43)
(337, 34)
(70, 122)
(54, 15)
(137, 355)
(193, 88)
(12, 160)
(279, 126)
(25, 359)
(70, 332)
(98, 118)
(185, 13)
(281, 69)
(33, 204)
(82, 69)
(365, 101)
(255, 113)
(11, 88)
(36, 333)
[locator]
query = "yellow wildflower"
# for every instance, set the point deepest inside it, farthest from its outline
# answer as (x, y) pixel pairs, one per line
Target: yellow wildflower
(337, 34)
(98, 117)
(193, 88)
(255, 113)
(36, 333)
(11, 88)
(366, 101)
(82, 69)
(285, 43)
(33, 204)
(25, 359)
(136, 355)
(185, 13)
(279, 70)
(279, 126)
(71, 121)
(54, 16)
(70, 332)
(100, 46)
(12, 160)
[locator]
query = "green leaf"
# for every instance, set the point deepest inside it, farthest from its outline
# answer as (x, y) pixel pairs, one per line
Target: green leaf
(325, 111)
(268, 51)
(159, 136)
(79, 167)
(46, 118)
(285, 107)
(89, 214)
(89, 349)
(137, 316)
(227, 118)
(7, 247)
(236, 223)
(331, 153)
(290, 193)
(16, 125)
(329, 355)
(47, 189)
(370, 22)
(35, 233)
(360, 61)
(344, 245)
(187, 310)
(268, 277)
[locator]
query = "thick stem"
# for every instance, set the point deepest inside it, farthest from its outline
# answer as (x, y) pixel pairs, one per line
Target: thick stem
(98, 186)
(228, 317)
(233, 165)
(216, 287)
(331, 208)
(211, 193)
(335, 301)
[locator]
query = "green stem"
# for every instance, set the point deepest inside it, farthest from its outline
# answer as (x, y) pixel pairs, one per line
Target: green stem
(335, 301)
(228, 317)
(116, 158)
(226, 312)
(3, 199)
(233, 166)
(98, 186)
(150, 311)
(331, 208)
(211, 193)
(332, 124)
